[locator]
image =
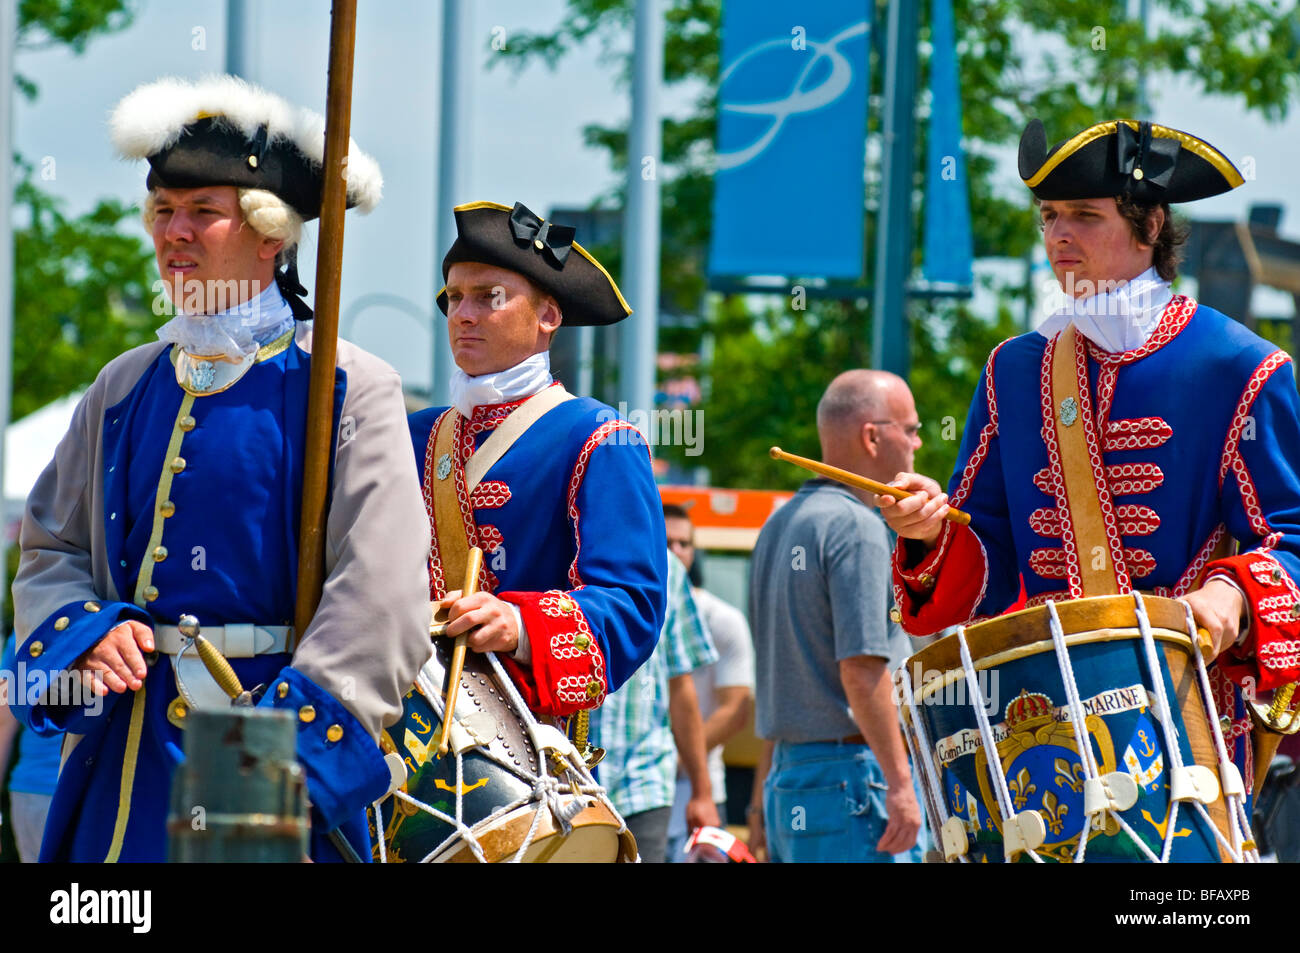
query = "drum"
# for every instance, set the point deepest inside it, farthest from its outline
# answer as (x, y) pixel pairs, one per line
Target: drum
(509, 788)
(1070, 732)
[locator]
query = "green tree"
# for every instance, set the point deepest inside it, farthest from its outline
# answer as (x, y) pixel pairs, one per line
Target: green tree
(81, 294)
(81, 285)
(1065, 63)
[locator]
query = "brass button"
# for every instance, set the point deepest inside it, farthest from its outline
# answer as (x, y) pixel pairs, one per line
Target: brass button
(567, 605)
(334, 732)
(150, 593)
(581, 641)
(593, 689)
(166, 508)
(91, 606)
(926, 580)
(306, 713)
(177, 465)
(537, 243)
(282, 689)
(1276, 575)
(186, 423)
(894, 615)
(61, 623)
(1295, 611)
(252, 162)
(159, 553)
(1138, 174)
(35, 649)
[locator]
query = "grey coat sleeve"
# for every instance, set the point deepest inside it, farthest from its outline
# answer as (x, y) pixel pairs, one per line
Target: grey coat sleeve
(370, 634)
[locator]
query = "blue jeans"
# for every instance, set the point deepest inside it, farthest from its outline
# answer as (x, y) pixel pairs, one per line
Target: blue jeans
(824, 802)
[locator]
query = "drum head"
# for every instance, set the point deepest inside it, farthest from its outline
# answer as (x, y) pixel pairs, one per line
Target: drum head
(594, 839)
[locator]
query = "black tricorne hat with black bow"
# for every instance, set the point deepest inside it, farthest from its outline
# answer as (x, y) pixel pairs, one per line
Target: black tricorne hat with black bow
(1141, 160)
(541, 251)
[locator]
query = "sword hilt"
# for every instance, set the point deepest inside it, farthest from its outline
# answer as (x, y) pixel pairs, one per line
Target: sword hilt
(216, 664)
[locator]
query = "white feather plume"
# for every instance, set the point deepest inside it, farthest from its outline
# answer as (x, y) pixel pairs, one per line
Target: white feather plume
(153, 116)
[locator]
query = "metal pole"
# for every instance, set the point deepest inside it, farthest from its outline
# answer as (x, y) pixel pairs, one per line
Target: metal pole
(241, 40)
(8, 38)
(1143, 107)
(638, 336)
(586, 360)
(889, 332)
(456, 96)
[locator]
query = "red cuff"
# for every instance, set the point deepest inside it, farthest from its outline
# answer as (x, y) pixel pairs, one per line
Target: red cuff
(1270, 654)
(944, 588)
(567, 669)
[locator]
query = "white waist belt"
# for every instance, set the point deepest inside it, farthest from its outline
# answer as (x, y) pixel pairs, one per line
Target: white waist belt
(239, 640)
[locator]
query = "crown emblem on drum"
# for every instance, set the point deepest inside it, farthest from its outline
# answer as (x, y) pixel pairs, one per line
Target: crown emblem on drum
(1028, 707)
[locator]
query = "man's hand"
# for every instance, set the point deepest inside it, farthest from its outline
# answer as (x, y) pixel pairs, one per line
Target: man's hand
(498, 630)
(920, 516)
(904, 821)
(116, 662)
(757, 835)
(1218, 608)
(701, 812)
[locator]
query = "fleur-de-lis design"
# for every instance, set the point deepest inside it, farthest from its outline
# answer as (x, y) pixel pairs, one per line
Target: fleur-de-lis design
(1054, 812)
(1069, 775)
(1021, 787)
(1148, 748)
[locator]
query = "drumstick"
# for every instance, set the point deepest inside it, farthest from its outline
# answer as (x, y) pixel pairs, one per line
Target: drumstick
(852, 479)
(472, 566)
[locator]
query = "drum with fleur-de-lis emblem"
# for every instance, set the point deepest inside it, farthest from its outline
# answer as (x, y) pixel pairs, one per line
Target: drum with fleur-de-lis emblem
(1075, 731)
(510, 788)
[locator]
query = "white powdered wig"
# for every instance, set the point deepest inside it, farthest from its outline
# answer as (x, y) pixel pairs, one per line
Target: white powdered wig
(152, 118)
(271, 216)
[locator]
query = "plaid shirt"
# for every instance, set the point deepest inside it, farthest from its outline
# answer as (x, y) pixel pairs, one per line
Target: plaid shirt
(640, 765)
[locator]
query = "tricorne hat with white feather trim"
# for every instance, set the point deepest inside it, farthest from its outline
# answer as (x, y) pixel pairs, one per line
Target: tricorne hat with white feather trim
(221, 130)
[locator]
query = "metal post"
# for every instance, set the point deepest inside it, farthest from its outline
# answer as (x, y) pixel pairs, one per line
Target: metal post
(890, 332)
(456, 97)
(1143, 106)
(8, 38)
(240, 796)
(241, 40)
(586, 361)
(639, 338)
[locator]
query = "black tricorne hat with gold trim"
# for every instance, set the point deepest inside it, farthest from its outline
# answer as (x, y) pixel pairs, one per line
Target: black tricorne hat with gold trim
(1144, 161)
(222, 130)
(541, 251)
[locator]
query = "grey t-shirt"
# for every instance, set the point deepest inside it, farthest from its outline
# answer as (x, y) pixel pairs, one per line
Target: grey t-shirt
(819, 592)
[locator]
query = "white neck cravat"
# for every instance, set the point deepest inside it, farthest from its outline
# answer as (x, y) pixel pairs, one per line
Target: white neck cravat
(1118, 320)
(525, 379)
(234, 333)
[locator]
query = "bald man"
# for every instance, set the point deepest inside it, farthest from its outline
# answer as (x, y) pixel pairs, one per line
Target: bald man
(839, 787)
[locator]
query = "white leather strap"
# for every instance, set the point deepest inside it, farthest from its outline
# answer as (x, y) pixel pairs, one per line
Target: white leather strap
(237, 640)
(510, 430)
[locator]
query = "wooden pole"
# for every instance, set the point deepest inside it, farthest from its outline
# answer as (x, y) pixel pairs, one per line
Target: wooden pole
(325, 333)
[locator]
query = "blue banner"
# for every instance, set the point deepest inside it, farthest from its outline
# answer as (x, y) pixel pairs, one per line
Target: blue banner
(792, 121)
(948, 242)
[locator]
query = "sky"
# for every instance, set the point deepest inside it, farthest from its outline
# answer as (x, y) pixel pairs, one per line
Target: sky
(525, 134)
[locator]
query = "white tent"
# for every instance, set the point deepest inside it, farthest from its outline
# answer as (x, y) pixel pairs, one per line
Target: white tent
(29, 447)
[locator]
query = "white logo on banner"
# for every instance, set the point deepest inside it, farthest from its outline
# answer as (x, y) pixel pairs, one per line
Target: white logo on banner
(798, 100)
